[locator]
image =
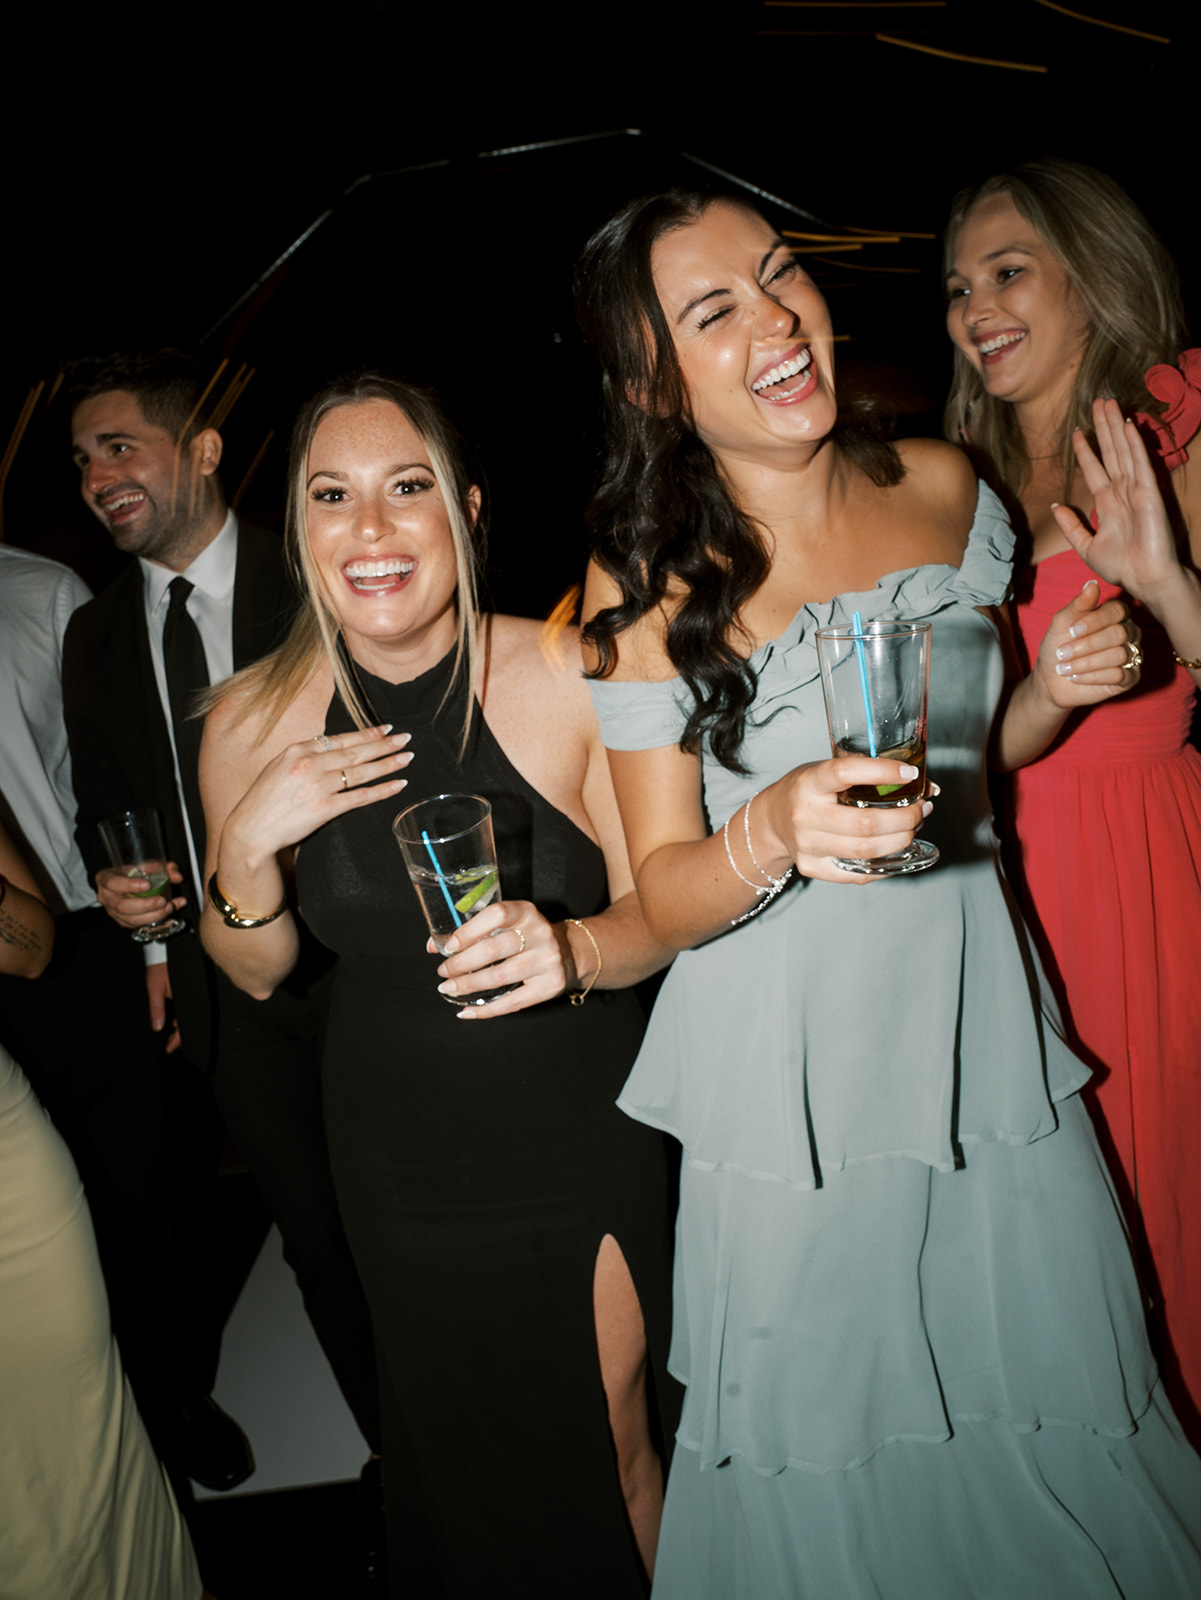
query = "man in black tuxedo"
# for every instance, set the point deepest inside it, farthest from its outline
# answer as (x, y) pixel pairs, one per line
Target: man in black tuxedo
(207, 594)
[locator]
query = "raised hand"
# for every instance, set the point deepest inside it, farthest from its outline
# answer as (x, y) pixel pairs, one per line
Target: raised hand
(1089, 652)
(1133, 545)
(309, 784)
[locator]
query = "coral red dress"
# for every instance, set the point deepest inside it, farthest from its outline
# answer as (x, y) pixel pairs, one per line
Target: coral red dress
(1108, 822)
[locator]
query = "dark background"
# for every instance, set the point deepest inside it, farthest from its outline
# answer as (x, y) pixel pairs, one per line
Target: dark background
(295, 193)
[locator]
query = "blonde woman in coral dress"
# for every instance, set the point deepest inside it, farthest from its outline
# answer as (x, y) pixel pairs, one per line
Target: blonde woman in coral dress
(1060, 292)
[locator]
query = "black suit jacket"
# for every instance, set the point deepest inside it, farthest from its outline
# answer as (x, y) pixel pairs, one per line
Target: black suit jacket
(121, 747)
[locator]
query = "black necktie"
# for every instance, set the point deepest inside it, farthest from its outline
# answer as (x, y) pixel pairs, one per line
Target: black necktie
(187, 673)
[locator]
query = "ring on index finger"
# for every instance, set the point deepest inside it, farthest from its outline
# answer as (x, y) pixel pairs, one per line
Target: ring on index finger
(1134, 656)
(322, 739)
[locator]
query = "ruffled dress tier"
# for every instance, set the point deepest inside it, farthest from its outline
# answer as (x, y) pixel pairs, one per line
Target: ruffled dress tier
(913, 1342)
(1108, 831)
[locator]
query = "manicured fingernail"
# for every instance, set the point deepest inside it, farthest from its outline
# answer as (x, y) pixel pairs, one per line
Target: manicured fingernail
(1064, 669)
(386, 727)
(1064, 653)
(450, 947)
(927, 807)
(936, 788)
(908, 773)
(447, 987)
(401, 739)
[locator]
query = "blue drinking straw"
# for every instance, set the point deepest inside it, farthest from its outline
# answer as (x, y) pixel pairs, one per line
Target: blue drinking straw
(450, 905)
(861, 657)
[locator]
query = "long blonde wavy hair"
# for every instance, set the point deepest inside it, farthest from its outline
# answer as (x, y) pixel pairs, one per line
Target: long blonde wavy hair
(269, 686)
(1124, 277)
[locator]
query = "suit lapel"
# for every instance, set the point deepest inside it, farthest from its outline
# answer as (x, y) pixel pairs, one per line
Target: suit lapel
(264, 598)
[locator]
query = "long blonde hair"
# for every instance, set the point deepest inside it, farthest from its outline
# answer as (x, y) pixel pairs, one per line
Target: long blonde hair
(1126, 281)
(269, 686)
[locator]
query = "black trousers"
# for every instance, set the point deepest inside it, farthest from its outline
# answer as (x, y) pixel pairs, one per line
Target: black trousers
(268, 1086)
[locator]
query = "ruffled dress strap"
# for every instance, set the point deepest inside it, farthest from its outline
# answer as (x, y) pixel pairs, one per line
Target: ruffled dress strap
(1179, 388)
(647, 716)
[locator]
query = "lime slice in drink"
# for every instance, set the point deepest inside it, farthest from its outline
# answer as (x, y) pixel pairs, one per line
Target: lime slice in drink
(901, 753)
(478, 891)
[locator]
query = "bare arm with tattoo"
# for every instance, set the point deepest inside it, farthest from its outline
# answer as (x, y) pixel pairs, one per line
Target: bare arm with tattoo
(26, 926)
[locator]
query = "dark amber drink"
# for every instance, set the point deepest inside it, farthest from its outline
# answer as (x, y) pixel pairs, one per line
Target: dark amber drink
(875, 680)
(888, 794)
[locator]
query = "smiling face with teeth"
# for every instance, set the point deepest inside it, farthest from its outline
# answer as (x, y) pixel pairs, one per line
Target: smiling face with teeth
(379, 538)
(752, 336)
(1012, 310)
(157, 500)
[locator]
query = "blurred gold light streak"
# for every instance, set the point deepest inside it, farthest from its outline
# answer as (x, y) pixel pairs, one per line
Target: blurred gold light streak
(553, 629)
(899, 233)
(840, 238)
(861, 5)
(233, 393)
(863, 266)
(953, 55)
(1079, 16)
(251, 469)
(194, 488)
(14, 441)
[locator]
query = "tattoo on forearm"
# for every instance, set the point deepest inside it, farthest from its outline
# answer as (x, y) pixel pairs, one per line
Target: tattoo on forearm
(13, 931)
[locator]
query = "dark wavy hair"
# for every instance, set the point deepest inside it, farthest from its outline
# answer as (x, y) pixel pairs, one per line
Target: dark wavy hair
(663, 519)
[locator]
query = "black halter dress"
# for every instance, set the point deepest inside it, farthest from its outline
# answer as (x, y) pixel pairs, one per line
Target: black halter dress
(478, 1167)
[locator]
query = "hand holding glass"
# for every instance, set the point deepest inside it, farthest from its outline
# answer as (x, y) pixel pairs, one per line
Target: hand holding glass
(448, 849)
(876, 681)
(133, 842)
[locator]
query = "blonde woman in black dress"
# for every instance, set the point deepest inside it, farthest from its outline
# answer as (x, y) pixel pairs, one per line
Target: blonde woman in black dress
(508, 1223)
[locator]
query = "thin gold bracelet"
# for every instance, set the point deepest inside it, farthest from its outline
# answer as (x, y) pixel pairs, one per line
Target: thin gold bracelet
(578, 998)
(230, 914)
(1193, 666)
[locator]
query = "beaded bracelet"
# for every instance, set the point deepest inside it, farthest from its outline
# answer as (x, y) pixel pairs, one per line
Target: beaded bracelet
(1193, 666)
(580, 995)
(766, 892)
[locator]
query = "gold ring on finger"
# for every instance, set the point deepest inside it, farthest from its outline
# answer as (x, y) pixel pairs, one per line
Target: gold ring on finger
(345, 779)
(521, 936)
(1134, 656)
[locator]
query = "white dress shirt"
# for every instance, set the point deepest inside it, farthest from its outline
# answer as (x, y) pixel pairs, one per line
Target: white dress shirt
(211, 608)
(37, 597)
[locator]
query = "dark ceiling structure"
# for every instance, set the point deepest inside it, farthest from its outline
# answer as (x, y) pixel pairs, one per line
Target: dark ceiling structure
(388, 187)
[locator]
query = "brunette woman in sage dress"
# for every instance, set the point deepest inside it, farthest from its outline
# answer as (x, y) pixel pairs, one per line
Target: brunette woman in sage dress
(913, 1342)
